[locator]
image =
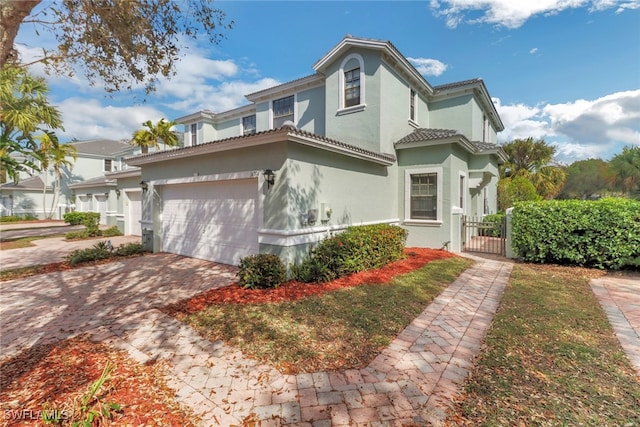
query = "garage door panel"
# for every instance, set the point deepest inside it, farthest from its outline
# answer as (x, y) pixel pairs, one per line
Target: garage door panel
(213, 220)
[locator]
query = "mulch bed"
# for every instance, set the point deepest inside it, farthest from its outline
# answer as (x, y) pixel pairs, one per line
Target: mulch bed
(293, 290)
(56, 376)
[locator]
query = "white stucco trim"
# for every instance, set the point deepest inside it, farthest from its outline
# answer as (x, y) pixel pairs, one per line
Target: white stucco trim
(465, 191)
(308, 235)
(205, 178)
(361, 106)
(407, 196)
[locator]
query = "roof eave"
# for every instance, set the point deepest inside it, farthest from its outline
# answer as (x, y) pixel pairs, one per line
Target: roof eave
(473, 87)
(314, 80)
(384, 46)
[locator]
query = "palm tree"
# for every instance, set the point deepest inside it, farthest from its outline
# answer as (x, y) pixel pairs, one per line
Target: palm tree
(626, 170)
(54, 155)
(24, 110)
(152, 135)
(533, 160)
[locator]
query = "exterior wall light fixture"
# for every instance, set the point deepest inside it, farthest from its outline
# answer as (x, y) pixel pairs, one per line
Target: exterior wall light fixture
(269, 177)
(144, 185)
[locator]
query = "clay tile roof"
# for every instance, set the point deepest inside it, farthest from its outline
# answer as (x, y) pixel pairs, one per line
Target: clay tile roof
(424, 134)
(32, 183)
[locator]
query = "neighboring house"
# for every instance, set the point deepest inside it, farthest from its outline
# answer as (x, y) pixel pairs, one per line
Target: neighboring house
(83, 185)
(366, 139)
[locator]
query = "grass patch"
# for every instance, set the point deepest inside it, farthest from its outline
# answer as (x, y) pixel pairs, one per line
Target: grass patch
(337, 330)
(551, 358)
(24, 242)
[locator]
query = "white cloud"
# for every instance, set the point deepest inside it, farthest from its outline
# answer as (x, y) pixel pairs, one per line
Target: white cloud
(428, 66)
(534, 50)
(579, 129)
(89, 119)
(514, 13)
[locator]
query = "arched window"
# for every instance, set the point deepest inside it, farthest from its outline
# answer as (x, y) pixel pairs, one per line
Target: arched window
(352, 82)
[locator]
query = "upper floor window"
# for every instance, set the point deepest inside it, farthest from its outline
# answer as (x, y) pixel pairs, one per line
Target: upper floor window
(283, 110)
(412, 105)
(249, 125)
(351, 96)
(107, 165)
(194, 133)
(352, 87)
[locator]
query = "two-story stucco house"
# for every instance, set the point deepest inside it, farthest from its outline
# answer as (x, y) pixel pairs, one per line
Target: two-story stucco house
(83, 185)
(365, 139)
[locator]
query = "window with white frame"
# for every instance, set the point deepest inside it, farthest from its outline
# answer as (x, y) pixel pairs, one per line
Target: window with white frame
(283, 110)
(462, 190)
(352, 87)
(249, 125)
(412, 105)
(107, 165)
(351, 96)
(423, 195)
(194, 133)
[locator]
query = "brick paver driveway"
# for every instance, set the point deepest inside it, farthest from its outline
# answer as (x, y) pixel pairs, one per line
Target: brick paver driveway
(411, 382)
(56, 306)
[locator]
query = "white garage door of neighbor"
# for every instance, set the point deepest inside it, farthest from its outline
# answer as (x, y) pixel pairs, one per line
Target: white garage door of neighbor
(134, 227)
(216, 221)
(101, 208)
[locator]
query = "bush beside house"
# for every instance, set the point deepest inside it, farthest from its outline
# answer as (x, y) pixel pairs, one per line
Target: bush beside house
(603, 233)
(356, 249)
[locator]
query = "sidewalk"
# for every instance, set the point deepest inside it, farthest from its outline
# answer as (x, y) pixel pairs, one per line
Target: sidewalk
(619, 297)
(412, 381)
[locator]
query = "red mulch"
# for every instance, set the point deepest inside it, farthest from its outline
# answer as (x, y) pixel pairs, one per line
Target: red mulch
(293, 290)
(55, 376)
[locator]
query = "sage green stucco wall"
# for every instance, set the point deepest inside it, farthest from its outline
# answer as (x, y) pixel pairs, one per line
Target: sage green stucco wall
(395, 110)
(356, 190)
(229, 128)
(360, 128)
(453, 113)
(311, 107)
(430, 235)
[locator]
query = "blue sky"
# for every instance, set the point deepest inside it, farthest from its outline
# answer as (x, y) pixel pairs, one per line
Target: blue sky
(564, 71)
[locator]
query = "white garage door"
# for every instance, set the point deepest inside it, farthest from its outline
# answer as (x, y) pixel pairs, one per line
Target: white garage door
(134, 213)
(213, 220)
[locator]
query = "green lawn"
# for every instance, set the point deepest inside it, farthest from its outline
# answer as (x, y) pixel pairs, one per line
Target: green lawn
(338, 330)
(551, 358)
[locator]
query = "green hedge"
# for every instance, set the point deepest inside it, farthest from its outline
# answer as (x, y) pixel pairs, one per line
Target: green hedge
(91, 220)
(262, 271)
(356, 249)
(603, 233)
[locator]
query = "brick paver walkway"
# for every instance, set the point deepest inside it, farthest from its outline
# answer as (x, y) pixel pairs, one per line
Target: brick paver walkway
(412, 381)
(619, 297)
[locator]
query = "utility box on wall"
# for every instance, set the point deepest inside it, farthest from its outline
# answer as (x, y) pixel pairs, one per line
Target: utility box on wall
(147, 239)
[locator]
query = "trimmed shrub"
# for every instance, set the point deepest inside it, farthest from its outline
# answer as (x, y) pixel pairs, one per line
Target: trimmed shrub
(101, 251)
(94, 253)
(111, 231)
(603, 233)
(91, 221)
(73, 218)
(262, 271)
(129, 249)
(357, 249)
